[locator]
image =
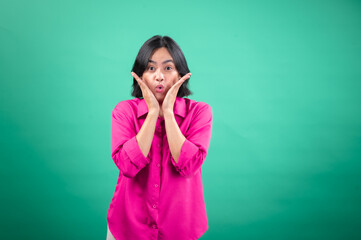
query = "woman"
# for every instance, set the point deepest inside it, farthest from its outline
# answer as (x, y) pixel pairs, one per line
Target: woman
(159, 141)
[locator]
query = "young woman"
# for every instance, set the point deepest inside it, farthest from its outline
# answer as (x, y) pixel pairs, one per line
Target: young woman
(159, 141)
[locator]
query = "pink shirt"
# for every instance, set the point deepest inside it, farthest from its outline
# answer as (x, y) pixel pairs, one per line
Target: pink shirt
(155, 197)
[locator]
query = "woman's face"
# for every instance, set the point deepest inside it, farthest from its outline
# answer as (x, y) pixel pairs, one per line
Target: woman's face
(160, 71)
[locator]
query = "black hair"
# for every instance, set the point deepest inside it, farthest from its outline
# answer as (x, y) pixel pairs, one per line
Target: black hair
(144, 54)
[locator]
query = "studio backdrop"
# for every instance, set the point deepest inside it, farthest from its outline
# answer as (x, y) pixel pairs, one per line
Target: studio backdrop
(283, 79)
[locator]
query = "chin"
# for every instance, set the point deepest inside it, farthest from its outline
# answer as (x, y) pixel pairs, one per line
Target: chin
(160, 99)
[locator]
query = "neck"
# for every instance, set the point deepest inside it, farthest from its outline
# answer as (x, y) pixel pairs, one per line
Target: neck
(160, 108)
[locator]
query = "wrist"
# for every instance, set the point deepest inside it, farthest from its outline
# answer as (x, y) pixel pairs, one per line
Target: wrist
(168, 113)
(153, 112)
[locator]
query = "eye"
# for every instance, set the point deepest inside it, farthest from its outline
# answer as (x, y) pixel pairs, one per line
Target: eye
(169, 68)
(151, 68)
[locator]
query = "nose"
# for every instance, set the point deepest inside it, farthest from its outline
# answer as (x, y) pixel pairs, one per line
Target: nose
(159, 75)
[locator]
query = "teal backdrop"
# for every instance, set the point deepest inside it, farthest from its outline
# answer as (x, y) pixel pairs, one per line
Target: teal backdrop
(283, 79)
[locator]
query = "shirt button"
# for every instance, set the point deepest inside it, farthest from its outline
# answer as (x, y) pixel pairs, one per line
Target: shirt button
(154, 226)
(158, 165)
(154, 206)
(155, 185)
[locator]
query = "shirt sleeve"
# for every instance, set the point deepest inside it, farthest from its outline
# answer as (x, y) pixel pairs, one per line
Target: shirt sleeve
(195, 147)
(125, 151)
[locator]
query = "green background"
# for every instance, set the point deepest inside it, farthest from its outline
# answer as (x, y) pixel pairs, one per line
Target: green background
(283, 80)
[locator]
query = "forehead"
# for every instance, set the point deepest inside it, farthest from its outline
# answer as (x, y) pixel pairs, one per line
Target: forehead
(160, 54)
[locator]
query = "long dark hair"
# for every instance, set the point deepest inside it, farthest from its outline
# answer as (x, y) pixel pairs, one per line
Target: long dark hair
(144, 54)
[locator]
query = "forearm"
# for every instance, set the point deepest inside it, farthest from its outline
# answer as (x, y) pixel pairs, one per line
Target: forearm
(174, 135)
(146, 132)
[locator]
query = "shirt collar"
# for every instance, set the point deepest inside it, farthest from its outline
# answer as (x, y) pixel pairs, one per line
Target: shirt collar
(179, 107)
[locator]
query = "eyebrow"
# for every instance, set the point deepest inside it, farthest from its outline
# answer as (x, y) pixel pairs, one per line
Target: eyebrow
(168, 60)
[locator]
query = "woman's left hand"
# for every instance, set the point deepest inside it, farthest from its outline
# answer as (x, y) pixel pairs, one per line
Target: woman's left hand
(169, 99)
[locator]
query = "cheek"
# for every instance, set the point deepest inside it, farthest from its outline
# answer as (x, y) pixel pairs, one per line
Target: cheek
(145, 79)
(173, 82)
(176, 77)
(146, 83)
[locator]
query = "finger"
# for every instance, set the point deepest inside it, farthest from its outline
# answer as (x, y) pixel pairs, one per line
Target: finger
(138, 79)
(185, 77)
(143, 85)
(135, 76)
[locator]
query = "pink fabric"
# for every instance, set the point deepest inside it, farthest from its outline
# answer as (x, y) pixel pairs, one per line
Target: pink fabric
(155, 198)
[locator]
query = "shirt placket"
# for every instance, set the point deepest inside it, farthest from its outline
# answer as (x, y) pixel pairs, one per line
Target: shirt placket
(157, 153)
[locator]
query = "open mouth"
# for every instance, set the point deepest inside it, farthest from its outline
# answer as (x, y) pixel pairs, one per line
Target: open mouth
(159, 88)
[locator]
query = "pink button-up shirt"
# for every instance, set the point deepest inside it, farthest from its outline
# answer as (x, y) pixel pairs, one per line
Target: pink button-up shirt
(155, 197)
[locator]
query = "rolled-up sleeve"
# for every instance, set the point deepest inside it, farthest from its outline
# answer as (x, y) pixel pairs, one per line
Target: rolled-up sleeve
(195, 147)
(126, 153)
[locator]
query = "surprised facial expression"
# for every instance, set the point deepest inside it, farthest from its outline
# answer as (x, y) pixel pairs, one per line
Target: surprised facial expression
(160, 74)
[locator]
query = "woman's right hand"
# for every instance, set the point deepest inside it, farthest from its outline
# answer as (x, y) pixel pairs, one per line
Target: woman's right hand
(148, 96)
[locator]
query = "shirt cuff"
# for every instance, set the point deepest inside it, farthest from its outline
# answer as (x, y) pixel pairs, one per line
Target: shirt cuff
(135, 154)
(188, 151)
